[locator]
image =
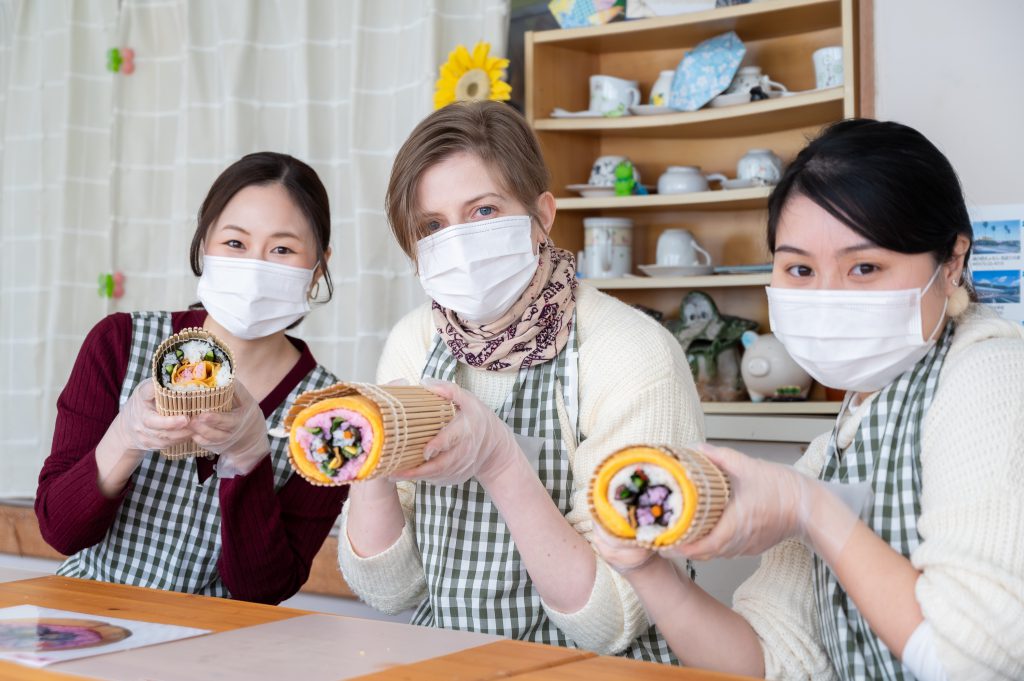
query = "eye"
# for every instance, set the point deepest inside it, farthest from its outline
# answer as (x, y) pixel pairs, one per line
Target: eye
(433, 226)
(799, 271)
(864, 269)
(281, 250)
(486, 211)
(234, 243)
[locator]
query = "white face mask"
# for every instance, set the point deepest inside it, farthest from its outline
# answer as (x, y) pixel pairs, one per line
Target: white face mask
(253, 298)
(479, 269)
(851, 340)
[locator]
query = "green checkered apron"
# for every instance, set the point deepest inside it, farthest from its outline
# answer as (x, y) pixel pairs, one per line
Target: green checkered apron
(886, 452)
(475, 577)
(167, 531)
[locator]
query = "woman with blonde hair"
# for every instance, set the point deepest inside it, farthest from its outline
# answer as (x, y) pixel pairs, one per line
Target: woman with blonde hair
(492, 533)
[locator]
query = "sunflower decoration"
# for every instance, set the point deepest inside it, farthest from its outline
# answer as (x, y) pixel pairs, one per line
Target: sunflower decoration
(473, 77)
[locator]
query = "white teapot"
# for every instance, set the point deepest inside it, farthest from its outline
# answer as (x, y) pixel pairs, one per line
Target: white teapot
(685, 179)
(769, 372)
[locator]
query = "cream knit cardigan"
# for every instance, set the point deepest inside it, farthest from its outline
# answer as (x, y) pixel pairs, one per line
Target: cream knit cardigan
(971, 590)
(634, 386)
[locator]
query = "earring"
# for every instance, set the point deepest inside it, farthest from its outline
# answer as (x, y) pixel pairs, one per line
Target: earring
(959, 299)
(315, 291)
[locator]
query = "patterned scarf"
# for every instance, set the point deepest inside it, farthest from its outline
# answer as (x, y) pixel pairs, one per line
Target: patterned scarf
(532, 331)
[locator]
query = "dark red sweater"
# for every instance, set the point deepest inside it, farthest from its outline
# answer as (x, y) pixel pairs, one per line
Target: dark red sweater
(268, 539)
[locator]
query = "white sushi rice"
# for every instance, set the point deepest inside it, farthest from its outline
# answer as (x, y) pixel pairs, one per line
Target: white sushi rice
(194, 351)
(658, 476)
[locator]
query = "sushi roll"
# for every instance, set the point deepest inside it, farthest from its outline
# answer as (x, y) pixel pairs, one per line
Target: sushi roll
(657, 496)
(193, 372)
(350, 432)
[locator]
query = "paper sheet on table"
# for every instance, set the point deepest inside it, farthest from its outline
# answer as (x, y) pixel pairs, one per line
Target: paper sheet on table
(309, 647)
(37, 637)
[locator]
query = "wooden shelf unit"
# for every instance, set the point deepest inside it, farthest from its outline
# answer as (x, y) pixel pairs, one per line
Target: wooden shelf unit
(708, 281)
(779, 36)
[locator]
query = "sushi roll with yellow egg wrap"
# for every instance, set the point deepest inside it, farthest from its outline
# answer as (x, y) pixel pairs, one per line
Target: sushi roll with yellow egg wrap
(350, 432)
(657, 496)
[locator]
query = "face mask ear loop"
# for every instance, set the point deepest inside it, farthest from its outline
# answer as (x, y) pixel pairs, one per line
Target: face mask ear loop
(945, 304)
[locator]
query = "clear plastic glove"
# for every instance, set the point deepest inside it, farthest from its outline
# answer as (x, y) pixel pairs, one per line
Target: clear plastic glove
(621, 556)
(769, 503)
(139, 428)
(239, 436)
(476, 444)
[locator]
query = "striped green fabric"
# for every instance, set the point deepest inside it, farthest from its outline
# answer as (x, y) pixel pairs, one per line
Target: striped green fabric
(886, 453)
(167, 531)
(475, 577)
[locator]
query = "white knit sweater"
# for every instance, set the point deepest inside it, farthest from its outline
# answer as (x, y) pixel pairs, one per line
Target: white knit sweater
(635, 386)
(971, 590)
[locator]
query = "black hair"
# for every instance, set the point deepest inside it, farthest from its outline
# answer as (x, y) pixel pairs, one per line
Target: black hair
(883, 180)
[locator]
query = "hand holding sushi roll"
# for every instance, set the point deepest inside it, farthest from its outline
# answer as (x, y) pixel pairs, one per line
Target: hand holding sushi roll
(138, 428)
(771, 502)
(476, 444)
(239, 436)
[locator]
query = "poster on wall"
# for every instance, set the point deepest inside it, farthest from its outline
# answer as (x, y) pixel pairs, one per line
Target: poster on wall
(997, 261)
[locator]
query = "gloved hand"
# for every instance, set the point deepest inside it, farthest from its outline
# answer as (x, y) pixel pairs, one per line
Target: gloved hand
(769, 503)
(476, 444)
(622, 557)
(239, 436)
(139, 428)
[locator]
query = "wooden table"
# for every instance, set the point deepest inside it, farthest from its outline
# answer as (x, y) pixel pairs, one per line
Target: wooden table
(499, 660)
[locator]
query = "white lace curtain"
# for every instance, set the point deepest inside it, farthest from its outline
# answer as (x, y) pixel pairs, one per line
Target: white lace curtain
(104, 172)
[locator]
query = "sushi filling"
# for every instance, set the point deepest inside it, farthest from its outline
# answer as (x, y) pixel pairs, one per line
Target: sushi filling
(195, 365)
(648, 497)
(337, 441)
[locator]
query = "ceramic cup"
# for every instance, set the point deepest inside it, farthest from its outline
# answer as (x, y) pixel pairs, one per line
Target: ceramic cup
(602, 173)
(608, 246)
(760, 165)
(685, 179)
(611, 96)
(678, 248)
(749, 77)
(661, 88)
(828, 67)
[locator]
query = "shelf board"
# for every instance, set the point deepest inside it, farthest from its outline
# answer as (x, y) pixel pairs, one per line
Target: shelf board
(753, 21)
(771, 408)
(708, 281)
(726, 199)
(815, 107)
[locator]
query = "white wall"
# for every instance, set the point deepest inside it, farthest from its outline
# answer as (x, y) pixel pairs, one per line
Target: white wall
(954, 69)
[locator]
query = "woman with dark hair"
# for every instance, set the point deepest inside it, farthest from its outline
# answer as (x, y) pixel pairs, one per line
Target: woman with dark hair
(895, 546)
(237, 524)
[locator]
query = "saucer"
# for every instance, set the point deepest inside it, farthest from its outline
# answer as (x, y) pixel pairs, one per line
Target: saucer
(650, 110)
(739, 98)
(562, 113)
(676, 270)
(743, 183)
(593, 191)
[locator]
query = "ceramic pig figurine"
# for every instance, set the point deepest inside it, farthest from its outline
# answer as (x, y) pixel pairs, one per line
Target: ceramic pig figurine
(769, 372)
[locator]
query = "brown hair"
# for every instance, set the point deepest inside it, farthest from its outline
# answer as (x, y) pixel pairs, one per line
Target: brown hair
(492, 131)
(262, 168)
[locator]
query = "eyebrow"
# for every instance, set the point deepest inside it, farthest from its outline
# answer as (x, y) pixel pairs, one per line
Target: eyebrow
(275, 235)
(865, 246)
